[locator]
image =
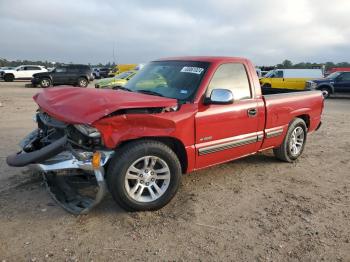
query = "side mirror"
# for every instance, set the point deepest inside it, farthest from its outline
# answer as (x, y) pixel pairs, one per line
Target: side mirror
(220, 97)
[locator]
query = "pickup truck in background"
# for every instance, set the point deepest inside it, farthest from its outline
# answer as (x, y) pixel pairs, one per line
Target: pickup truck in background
(337, 82)
(177, 115)
(337, 69)
(286, 80)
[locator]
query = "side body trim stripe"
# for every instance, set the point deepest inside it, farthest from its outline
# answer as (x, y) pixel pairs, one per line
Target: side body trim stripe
(255, 137)
(274, 133)
(227, 145)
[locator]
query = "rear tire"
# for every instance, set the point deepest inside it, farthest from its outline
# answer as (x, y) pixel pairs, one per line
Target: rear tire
(294, 141)
(9, 77)
(144, 175)
(83, 82)
(45, 83)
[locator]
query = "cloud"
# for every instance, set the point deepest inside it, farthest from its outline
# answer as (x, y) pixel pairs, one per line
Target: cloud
(86, 31)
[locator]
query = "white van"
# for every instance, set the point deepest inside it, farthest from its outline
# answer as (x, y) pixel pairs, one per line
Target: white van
(289, 78)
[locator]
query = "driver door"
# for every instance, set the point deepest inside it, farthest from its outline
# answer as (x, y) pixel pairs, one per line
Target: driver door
(228, 131)
(59, 75)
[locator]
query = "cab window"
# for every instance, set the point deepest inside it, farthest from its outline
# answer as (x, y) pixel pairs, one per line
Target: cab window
(233, 77)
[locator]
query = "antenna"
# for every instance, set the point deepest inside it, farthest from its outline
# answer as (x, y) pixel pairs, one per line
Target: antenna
(113, 52)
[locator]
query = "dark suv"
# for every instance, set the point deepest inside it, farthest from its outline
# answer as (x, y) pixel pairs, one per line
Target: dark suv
(77, 75)
(337, 82)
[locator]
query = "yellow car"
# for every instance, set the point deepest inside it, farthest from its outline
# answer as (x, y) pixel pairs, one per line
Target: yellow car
(119, 80)
(122, 68)
(293, 79)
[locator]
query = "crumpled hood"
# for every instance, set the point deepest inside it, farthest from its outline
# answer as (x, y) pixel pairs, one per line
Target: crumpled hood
(87, 105)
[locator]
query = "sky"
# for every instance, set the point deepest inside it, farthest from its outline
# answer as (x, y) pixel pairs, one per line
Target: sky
(87, 31)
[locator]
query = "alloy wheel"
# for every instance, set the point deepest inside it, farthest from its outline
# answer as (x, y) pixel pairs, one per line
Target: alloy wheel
(147, 179)
(297, 141)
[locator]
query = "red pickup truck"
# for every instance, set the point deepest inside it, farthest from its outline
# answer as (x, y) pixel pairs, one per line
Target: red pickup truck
(175, 116)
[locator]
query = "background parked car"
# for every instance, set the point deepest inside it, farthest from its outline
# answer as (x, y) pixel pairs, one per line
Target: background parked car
(96, 72)
(100, 72)
(338, 82)
(21, 72)
(104, 71)
(77, 75)
(122, 68)
(118, 80)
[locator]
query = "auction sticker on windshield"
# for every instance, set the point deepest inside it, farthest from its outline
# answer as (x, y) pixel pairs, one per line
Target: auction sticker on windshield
(193, 70)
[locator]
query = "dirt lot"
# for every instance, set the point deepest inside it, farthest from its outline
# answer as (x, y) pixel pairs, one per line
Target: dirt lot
(254, 209)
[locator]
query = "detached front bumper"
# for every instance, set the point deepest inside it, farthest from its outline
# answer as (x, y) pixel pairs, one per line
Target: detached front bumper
(60, 163)
(21, 158)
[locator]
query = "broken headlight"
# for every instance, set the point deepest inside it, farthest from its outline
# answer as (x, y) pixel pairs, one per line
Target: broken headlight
(88, 130)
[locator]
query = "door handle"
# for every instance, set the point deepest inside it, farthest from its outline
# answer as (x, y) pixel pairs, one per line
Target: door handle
(252, 112)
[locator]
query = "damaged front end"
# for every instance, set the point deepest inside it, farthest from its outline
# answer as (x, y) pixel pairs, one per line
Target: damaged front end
(72, 160)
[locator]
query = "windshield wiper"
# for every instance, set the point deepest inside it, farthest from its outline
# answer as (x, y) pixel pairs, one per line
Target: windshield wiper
(121, 88)
(149, 92)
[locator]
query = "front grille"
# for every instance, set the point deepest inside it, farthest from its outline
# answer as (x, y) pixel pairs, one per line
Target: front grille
(55, 129)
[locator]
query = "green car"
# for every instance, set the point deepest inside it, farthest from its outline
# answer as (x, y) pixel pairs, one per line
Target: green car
(118, 80)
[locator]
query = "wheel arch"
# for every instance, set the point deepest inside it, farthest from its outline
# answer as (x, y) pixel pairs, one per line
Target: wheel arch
(83, 76)
(175, 144)
(9, 74)
(306, 119)
(47, 77)
(329, 87)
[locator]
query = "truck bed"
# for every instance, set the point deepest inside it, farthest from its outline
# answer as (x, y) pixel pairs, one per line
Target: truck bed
(281, 108)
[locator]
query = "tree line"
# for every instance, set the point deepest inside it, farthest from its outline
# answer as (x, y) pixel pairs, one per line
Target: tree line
(287, 64)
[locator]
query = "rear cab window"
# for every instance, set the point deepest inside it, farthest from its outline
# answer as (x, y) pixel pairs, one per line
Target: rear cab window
(231, 76)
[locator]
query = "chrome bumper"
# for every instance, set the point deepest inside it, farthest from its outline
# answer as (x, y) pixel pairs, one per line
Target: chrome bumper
(63, 193)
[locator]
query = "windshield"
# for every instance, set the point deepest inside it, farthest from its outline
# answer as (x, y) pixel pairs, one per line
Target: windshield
(270, 73)
(333, 75)
(173, 79)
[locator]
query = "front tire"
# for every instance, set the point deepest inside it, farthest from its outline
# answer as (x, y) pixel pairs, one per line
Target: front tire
(83, 82)
(45, 83)
(294, 142)
(144, 175)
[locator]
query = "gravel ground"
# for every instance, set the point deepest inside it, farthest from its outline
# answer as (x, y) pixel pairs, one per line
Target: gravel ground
(253, 209)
